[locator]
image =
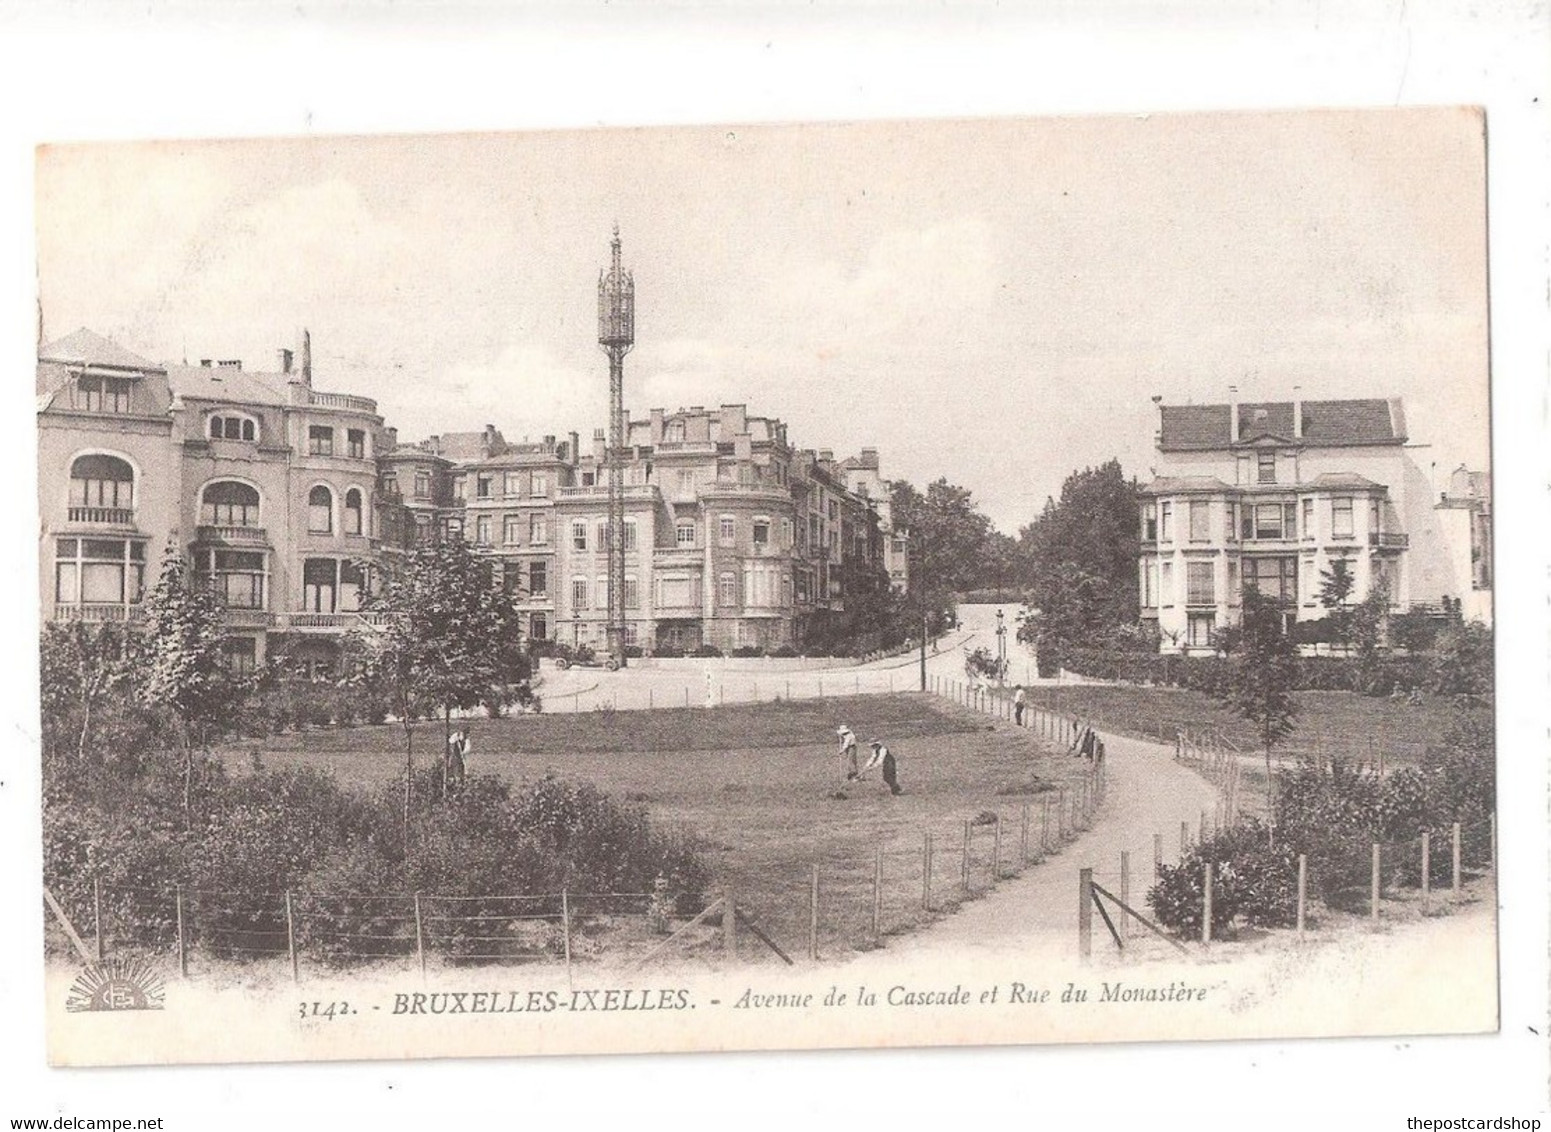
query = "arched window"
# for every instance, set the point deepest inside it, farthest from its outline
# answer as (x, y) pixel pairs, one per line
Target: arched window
(227, 503)
(353, 511)
(233, 428)
(320, 510)
(100, 482)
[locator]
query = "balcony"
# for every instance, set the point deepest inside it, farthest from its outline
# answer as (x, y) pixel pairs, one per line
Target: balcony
(332, 622)
(232, 535)
(342, 401)
(247, 618)
(689, 447)
(601, 491)
(77, 611)
(103, 516)
(1386, 541)
(731, 487)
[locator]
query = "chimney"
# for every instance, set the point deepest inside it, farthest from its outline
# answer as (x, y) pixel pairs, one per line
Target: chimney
(1157, 401)
(489, 439)
(870, 458)
(827, 455)
(229, 363)
(206, 363)
(307, 358)
(285, 360)
(600, 445)
(392, 431)
(1233, 414)
(576, 447)
(656, 419)
(1297, 412)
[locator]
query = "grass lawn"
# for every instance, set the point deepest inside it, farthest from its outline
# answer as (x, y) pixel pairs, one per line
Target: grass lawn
(762, 784)
(1335, 722)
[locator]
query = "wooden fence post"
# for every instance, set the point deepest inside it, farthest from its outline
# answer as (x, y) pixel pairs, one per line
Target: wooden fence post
(1125, 890)
(1061, 816)
(97, 914)
(1157, 855)
(877, 891)
(926, 872)
(1373, 886)
(182, 935)
(964, 873)
(1492, 848)
(729, 924)
(1456, 839)
(1085, 914)
(1023, 837)
(565, 930)
(1206, 904)
(1303, 890)
(1201, 830)
(1427, 871)
(419, 936)
(813, 916)
(996, 852)
(290, 938)
(1184, 839)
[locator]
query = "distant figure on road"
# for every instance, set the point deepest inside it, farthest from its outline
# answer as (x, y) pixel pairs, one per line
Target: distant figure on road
(1017, 705)
(848, 752)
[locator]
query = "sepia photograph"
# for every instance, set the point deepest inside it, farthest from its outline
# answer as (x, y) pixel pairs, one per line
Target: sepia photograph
(992, 581)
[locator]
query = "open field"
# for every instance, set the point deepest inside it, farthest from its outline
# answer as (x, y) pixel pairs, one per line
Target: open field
(761, 784)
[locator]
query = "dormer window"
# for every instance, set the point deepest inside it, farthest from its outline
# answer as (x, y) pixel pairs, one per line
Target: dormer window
(227, 427)
(1266, 468)
(103, 394)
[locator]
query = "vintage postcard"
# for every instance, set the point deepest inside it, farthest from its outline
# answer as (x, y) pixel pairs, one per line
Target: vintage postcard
(909, 583)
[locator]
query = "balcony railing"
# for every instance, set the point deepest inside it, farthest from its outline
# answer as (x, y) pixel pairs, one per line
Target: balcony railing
(733, 487)
(103, 516)
(248, 618)
(79, 611)
(333, 620)
(1385, 541)
(248, 536)
(590, 491)
(342, 401)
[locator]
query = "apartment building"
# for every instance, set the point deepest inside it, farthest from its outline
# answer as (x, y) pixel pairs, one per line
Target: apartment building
(732, 538)
(866, 481)
(269, 485)
(1270, 494)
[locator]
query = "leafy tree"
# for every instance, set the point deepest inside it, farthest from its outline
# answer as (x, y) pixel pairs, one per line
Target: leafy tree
(1336, 582)
(442, 637)
(1464, 661)
(81, 666)
(1080, 557)
(1367, 624)
(182, 670)
(1265, 672)
(947, 545)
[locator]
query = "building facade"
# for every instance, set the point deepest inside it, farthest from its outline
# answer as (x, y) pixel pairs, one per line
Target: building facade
(285, 498)
(732, 538)
(1270, 495)
(267, 484)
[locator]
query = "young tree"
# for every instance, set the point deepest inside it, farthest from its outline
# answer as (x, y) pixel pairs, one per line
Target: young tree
(182, 669)
(81, 665)
(947, 541)
(442, 637)
(1264, 672)
(1335, 589)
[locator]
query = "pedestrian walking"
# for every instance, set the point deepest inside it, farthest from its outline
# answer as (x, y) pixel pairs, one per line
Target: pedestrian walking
(1017, 705)
(848, 753)
(457, 760)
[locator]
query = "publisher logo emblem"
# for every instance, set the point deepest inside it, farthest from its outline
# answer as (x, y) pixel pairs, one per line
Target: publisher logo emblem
(117, 984)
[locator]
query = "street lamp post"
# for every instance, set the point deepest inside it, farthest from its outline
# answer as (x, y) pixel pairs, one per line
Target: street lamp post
(1001, 648)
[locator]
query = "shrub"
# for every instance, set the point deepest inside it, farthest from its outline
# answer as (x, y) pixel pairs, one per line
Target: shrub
(706, 650)
(1253, 882)
(748, 650)
(784, 651)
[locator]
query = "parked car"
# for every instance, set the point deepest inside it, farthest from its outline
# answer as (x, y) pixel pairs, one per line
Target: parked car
(583, 656)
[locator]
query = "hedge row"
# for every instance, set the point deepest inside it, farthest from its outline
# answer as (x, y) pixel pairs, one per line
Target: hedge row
(1213, 674)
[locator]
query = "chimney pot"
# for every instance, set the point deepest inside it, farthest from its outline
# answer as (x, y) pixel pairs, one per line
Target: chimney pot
(1298, 412)
(285, 360)
(1233, 414)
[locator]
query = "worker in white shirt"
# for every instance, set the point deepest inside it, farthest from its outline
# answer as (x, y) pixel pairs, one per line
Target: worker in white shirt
(848, 752)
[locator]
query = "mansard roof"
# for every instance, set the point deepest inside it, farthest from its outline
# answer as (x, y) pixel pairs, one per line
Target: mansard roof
(1326, 424)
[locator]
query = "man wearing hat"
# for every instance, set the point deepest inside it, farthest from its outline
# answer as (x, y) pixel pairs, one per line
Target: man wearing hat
(848, 752)
(882, 756)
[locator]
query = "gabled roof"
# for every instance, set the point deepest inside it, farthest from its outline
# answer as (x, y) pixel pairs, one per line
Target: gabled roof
(86, 347)
(1345, 481)
(1326, 424)
(229, 384)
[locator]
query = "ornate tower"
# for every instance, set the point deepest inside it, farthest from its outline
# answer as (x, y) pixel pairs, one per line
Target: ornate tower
(616, 334)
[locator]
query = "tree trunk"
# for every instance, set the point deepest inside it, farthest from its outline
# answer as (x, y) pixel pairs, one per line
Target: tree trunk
(188, 777)
(86, 728)
(446, 744)
(409, 777)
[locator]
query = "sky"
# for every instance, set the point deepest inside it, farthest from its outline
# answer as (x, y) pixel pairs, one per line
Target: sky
(993, 301)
